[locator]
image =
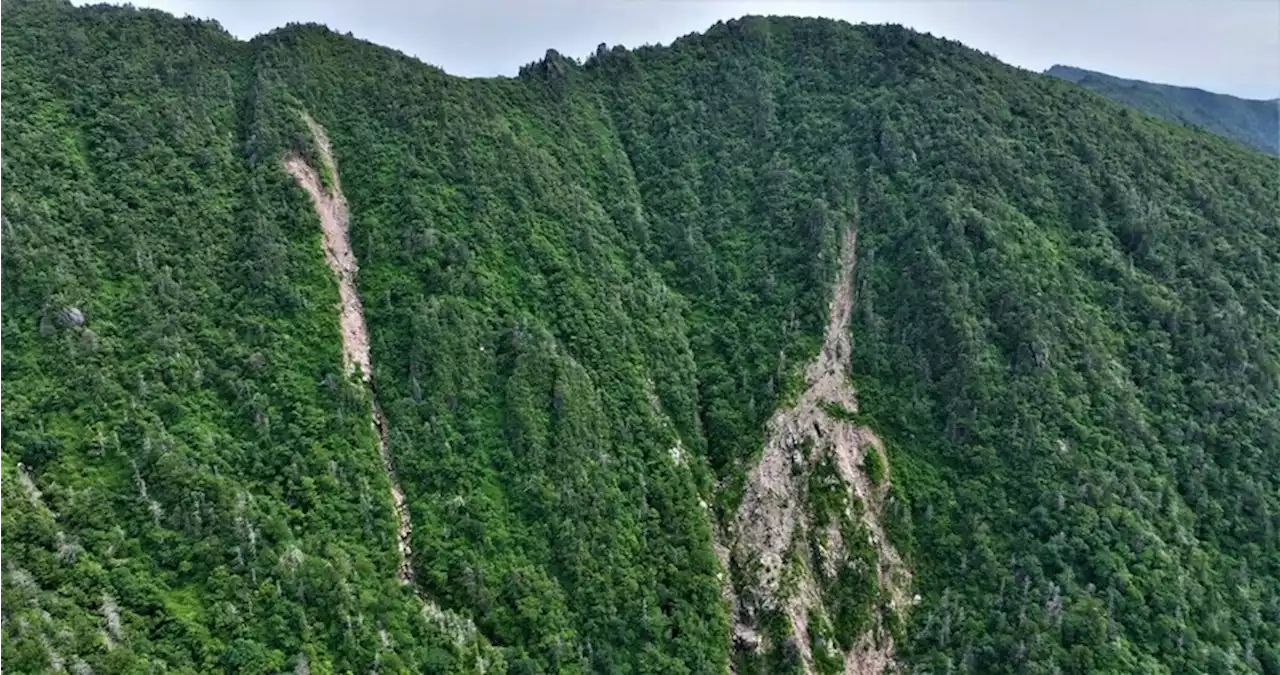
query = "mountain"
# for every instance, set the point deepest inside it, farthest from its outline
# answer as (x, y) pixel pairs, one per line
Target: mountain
(1253, 123)
(793, 346)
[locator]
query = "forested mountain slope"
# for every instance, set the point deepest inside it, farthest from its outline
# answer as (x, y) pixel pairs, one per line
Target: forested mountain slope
(1254, 123)
(655, 343)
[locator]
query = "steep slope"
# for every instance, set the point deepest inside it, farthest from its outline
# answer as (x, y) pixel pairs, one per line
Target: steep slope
(331, 209)
(1253, 123)
(1032, 310)
(518, 342)
(812, 500)
(598, 307)
(200, 478)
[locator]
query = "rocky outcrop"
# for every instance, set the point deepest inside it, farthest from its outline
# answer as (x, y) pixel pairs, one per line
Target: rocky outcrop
(773, 520)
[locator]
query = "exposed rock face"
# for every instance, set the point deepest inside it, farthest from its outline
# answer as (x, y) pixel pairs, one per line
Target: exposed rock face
(70, 317)
(773, 520)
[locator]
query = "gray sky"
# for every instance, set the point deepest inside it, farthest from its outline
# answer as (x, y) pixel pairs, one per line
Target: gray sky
(1230, 46)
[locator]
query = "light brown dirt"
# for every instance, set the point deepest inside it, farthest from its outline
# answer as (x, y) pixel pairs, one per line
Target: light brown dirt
(335, 218)
(772, 517)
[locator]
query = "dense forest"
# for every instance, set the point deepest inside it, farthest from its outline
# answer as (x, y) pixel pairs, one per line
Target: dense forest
(1251, 122)
(589, 290)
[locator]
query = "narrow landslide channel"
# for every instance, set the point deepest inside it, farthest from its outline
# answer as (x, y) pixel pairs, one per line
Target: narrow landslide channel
(773, 520)
(331, 207)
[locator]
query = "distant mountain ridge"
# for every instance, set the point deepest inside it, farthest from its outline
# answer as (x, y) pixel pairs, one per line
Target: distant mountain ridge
(1254, 123)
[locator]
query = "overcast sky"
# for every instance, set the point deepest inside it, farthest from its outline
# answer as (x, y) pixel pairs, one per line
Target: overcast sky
(1231, 46)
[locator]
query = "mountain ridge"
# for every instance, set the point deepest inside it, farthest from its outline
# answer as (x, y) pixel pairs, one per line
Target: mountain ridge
(587, 290)
(1251, 122)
